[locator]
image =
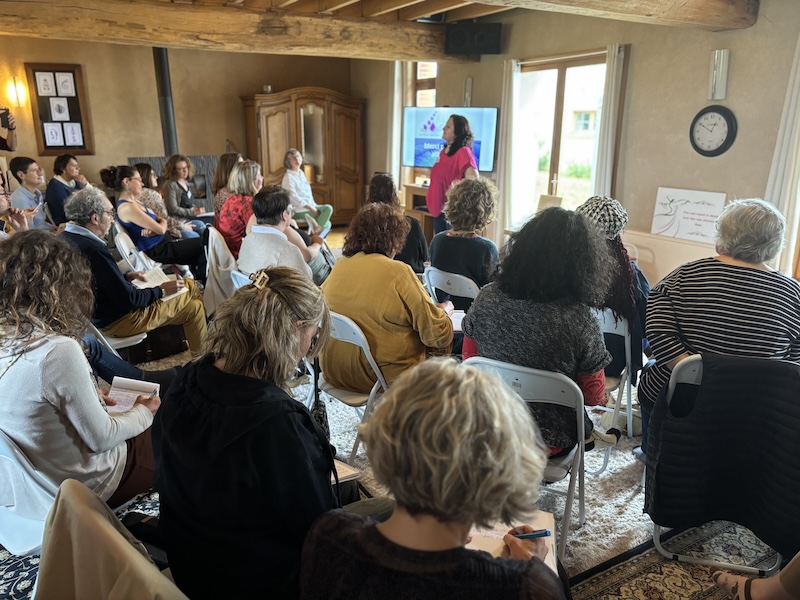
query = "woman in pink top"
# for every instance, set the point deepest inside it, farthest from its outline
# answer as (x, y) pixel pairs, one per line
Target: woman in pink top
(456, 162)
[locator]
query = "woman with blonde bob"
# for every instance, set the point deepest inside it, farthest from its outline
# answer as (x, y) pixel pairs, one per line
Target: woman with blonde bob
(471, 207)
(242, 469)
(456, 448)
(243, 184)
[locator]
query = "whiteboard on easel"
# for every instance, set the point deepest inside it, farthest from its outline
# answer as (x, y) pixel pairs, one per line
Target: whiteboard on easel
(687, 214)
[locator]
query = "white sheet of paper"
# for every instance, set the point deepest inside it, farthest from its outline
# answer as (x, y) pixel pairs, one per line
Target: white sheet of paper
(486, 541)
(456, 318)
(124, 392)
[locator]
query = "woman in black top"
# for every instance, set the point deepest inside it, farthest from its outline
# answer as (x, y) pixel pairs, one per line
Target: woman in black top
(415, 252)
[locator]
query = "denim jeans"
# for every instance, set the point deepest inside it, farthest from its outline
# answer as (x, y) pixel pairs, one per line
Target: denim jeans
(105, 363)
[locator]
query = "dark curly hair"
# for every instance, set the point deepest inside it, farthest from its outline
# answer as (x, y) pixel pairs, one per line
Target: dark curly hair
(622, 296)
(558, 256)
(45, 284)
(462, 132)
(382, 189)
(376, 229)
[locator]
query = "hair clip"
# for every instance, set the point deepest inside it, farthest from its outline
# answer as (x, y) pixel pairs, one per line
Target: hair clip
(259, 279)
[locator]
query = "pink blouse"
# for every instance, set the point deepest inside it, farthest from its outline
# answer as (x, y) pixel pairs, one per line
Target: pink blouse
(448, 169)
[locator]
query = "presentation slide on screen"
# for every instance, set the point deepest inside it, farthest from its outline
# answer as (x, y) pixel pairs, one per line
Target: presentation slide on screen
(422, 134)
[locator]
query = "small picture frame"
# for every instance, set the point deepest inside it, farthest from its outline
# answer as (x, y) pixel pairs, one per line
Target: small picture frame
(45, 84)
(65, 84)
(73, 134)
(60, 108)
(54, 135)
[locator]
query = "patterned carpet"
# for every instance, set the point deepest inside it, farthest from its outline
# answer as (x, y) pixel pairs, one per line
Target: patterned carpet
(642, 573)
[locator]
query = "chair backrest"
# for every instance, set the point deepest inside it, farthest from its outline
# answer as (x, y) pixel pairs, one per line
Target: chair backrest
(615, 326)
(137, 261)
(239, 279)
(453, 284)
(689, 370)
(633, 251)
(25, 499)
(535, 385)
(345, 329)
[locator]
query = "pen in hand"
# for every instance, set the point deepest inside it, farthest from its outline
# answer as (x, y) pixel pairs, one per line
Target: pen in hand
(153, 395)
(539, 533)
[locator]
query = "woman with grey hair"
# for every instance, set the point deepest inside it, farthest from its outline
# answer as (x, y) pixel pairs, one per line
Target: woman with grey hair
(733, 303)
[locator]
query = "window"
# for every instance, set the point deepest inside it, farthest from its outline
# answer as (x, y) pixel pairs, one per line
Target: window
(561, 102)
(425, 84)
(584, 121)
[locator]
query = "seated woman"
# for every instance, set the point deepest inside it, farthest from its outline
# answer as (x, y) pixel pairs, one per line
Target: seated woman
(470, 209)
(295, 182)
(244, 182)
(629, 288)
(415, 251)
(219, 186)
(733, 303)
(151, 199)
(385, 299)
(67, 178)
(11, 219)
(456, 448)
(53, 410)
(177, 195)
(538, 314)
(148, 231)
(243, 470)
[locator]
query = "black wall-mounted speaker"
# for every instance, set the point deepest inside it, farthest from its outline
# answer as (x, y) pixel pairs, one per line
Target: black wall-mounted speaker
(472, 38)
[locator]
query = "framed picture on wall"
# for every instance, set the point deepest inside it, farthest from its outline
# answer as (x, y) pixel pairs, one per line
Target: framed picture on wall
(60, 109)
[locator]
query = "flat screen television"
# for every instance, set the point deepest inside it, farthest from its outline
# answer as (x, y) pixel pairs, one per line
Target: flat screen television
(422, 134)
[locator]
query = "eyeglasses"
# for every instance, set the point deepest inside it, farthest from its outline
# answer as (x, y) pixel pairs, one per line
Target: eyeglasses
(111, 213)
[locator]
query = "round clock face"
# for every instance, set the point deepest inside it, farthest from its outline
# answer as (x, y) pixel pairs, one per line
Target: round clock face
(713, 131)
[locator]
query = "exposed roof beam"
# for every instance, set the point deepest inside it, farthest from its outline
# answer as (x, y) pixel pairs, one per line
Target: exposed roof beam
(474, 11)
(223, 28)
(430, 7)
(707, 14)
(334, 5)
(373, 8)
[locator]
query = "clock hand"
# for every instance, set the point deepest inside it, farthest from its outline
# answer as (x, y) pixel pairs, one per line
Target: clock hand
(713, 125)
(704, 127)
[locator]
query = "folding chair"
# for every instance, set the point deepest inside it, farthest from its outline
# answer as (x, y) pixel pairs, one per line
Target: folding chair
(25, 499)
(545, 387)
(345, 329)
(116, 343)
(622, 384)
(453, 284)
(135, 258)
(690, 371)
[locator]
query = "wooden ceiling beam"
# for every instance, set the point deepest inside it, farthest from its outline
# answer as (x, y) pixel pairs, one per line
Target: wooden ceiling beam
(334, 5)
(430, 7)
(374, 8)
(715, 15)
(223, 28)
(474, 11)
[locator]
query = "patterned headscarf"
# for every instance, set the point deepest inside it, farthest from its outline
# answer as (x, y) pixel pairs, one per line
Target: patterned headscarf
(607, 213)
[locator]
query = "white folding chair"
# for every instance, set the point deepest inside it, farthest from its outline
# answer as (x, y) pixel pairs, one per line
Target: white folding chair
(690, 371)
(345, 329)
(116, 343)
(453, 284)
(535, 386)
(25, 499)
(136, 259)
(624, 383)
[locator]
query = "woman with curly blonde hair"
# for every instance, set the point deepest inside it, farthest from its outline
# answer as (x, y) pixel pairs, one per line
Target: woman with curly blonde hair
(456, 448)
(471, 207)
(385, 299)
(243, 470)
(58, 418)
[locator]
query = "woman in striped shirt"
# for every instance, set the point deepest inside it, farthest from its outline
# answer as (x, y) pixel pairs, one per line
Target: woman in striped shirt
(732, 304)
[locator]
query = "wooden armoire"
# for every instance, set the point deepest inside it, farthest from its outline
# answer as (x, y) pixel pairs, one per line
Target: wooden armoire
(327, 127)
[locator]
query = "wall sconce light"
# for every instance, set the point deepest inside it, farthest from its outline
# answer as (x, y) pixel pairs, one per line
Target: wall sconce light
(718, 74)
(15, 91)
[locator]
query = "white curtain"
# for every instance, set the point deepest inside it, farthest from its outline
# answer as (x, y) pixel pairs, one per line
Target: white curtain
(615, 60)
(395, 109)
(506, 151)
(783, 185)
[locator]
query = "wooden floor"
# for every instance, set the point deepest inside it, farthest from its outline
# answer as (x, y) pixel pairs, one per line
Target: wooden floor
(335, 238)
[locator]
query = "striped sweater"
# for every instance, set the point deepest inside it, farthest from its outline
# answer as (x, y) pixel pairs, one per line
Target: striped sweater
(711, 306)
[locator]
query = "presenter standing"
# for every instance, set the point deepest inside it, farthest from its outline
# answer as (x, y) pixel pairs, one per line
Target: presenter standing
(456, 162)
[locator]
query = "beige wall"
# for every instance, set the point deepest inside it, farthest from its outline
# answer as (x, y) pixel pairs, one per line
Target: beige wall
(372, 79)
(667, 85)
(122, 95)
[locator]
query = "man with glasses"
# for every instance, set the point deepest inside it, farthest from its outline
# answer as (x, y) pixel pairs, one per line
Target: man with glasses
(28, 196)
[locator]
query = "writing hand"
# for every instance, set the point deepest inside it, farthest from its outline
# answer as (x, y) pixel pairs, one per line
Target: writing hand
(149, 403)
(172, 287)
(447, 307)
(523, 549)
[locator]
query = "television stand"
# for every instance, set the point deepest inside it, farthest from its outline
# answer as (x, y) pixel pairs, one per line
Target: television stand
(414, 202)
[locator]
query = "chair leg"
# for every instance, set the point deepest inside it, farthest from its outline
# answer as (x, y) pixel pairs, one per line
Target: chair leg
(582, 491)
(629, 386)
(712, 563)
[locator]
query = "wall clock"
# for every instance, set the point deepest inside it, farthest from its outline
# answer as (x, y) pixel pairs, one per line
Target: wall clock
(713, 130)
